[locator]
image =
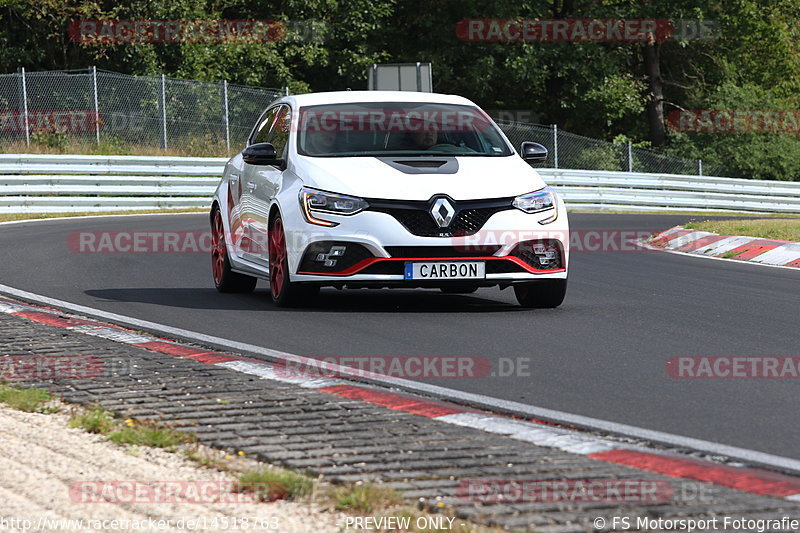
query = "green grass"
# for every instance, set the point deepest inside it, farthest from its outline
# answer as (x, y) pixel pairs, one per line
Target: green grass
(267, 484)
(270, 484)
(149, 434)
(784, 229)
(13, 217)
(198, 148)
(137, 433)
(95, 420)
(28, 399)
(365, 498)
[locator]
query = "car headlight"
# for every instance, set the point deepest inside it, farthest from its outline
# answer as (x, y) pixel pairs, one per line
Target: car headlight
(539, 202)
(313, 201)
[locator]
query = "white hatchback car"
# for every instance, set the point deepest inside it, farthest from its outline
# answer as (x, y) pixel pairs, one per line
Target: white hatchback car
(386, 189)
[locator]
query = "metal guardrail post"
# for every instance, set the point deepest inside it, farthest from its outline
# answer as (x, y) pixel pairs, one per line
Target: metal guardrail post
(164, 110)
(699, 167)
(225, 115)
(630, 156)
(25, 108)
(96, 106)
(555, 145)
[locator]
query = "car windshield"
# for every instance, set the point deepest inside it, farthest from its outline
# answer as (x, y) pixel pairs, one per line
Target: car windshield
(397, 129)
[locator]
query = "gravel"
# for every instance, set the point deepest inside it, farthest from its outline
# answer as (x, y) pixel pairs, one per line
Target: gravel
(42, 459)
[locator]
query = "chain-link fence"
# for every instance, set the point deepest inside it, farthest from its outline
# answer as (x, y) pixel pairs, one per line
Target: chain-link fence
(568, 150)
(97, 106)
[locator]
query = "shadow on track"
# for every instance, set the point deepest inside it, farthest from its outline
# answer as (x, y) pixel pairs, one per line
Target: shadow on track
(329, 301)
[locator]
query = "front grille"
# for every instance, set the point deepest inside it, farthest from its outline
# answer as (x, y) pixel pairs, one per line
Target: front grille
(470, 216)
(420, 223)
(311, 261)
(443, 251)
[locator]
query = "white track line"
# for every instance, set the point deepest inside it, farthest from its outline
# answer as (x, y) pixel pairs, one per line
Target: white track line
(478, 400)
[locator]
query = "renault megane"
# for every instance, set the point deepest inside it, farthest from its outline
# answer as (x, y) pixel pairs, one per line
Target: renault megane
(387, 189)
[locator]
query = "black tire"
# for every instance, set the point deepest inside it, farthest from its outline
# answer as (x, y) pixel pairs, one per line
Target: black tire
(284, 292)
(544, 294)
(459, 289)
(225, 279)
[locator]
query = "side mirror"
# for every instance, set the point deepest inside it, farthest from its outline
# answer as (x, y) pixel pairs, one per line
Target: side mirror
(262, 154)
(533, 152)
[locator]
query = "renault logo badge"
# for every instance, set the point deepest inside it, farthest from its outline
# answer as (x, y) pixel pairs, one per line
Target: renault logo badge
(442, 212)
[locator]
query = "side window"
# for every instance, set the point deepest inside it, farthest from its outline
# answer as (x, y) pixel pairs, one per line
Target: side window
(261, 134)
(279, 133)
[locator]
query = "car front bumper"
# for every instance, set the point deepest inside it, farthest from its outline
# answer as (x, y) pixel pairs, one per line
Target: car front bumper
(388, 245)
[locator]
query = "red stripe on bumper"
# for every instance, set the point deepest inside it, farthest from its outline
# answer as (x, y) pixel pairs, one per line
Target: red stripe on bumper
(364, 263)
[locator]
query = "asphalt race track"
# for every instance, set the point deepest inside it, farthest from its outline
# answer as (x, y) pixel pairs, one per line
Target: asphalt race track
(602, 354)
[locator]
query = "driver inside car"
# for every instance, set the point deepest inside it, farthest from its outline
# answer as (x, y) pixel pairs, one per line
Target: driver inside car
(425, 138)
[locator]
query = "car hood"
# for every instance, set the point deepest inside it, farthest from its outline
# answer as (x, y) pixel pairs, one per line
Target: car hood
(372, 177)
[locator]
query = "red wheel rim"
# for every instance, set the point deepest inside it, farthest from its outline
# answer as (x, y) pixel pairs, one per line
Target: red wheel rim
(218, 249)
(277, 258)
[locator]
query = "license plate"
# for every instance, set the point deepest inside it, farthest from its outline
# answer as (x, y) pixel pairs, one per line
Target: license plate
(446, 270)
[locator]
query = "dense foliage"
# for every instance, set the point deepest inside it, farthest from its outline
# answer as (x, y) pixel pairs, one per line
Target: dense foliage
(596, 89)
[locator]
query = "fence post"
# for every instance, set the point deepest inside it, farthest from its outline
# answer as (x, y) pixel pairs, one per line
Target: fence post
(699, 167)
(164, 110)
(555, 145)
(225, 114)
(630, 156)
(96, 107)
(25, 108)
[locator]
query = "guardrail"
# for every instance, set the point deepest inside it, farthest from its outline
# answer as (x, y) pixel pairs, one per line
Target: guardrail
(620, 191)
(75, 183)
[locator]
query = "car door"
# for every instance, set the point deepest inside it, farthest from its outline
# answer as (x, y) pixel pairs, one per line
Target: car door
(233, 173)
(254, 220)
(267, 178)
(263, 181)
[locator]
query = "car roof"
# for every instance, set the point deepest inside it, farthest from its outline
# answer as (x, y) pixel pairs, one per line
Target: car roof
(344, 97)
